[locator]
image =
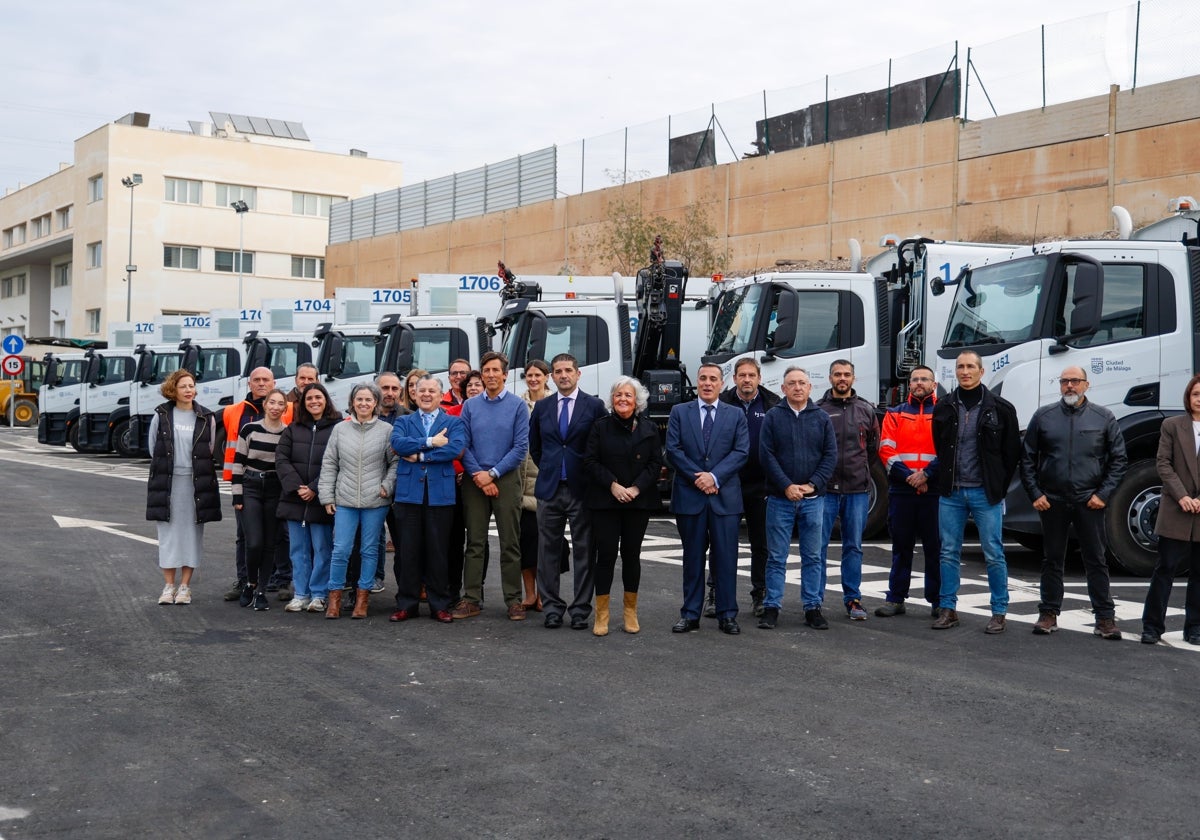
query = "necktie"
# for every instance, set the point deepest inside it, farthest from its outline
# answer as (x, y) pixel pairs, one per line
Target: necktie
(707, 427)
(427, 419)
(564, 404)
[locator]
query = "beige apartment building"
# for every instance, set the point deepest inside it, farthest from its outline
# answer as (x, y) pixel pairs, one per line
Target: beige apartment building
(66, 239)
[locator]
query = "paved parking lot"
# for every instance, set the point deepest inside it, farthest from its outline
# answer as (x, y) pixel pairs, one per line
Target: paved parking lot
(122, 718)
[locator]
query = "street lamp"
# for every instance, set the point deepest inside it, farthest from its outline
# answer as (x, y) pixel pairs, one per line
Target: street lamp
(131, 182)
(240, 207)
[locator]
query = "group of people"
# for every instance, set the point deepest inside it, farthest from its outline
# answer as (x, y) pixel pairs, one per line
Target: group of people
(437, 469)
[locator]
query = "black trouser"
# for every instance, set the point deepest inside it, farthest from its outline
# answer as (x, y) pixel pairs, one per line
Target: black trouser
(1089, 529)
(239, 549)
(454, 549)
(913, 515)
(530, 541)
(260, 503)
(1174, 558)
(618, 529)
(754, 505)
(425, 528)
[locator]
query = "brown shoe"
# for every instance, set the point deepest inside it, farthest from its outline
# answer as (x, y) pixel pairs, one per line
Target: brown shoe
(361, 601)
(516, 611)
(465, 609)
(946, 619)
(996, 625)
(1106, 628)
(1046, 624)
(333, 603)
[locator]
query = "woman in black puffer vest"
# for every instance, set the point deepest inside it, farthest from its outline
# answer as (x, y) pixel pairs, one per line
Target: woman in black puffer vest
(182, 492)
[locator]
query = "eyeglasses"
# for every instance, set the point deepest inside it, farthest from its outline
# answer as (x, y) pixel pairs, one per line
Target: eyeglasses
(1071, 381)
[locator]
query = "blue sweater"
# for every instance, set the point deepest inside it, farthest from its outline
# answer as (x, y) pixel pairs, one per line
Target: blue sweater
(497, 432)
(797, 449)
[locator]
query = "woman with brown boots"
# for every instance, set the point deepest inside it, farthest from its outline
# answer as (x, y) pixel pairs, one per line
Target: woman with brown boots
(624, 460)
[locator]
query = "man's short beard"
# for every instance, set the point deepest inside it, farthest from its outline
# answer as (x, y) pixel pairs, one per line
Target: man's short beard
(1072, 399)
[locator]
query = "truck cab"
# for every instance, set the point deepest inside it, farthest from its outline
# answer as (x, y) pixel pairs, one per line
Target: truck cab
(58, 397)
(109, 379)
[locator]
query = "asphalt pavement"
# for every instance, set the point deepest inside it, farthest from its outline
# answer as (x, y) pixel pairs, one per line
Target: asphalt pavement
(122, 718)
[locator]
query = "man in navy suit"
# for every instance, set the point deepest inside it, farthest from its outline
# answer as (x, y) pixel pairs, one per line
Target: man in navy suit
(427, 442)
(708, 443)
(558, 436)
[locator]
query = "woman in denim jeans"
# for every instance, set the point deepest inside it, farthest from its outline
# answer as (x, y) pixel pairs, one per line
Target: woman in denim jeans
(358, 475)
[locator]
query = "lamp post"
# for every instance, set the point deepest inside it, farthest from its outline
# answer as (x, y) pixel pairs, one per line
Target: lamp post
(131, 182)
(240, 207)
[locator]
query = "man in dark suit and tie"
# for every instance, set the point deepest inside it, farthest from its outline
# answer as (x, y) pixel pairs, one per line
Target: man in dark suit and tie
(427, 443)
(558, 435)
(708, 443)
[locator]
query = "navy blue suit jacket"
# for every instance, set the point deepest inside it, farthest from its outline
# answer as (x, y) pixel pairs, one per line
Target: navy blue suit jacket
(548, 449)
(726, 454)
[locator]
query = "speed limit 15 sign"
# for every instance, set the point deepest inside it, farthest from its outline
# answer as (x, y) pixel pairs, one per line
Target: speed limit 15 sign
(13, 365)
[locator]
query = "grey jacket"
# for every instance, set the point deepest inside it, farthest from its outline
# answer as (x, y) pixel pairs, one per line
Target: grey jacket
(359, 462)
(1071, 453)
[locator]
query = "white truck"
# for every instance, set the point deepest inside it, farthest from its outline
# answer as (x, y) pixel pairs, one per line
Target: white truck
(1126, 311)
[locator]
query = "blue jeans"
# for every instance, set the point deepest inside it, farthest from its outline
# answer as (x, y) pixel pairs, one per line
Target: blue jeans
(346, 523)
(310, 547)
(782, 518)
(952, 520)
(852, 509)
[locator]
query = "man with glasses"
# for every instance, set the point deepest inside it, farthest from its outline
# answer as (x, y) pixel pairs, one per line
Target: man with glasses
(1074, 458)
(459, 369)
(906, 449)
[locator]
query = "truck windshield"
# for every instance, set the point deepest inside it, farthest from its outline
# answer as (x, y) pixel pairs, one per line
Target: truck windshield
(733, 328)
(997, 304)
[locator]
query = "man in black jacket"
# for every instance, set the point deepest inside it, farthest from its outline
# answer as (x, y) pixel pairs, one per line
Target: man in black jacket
(978, 445)
(1074, 458)
(755, 401)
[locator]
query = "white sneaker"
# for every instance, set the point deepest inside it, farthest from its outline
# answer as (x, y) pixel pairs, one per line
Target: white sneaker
(316, 605)
(297, 605)
(183, 596)
(168, 595)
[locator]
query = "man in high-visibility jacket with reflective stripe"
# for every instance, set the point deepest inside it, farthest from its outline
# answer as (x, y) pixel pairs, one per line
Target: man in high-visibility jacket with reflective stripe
(906, 449)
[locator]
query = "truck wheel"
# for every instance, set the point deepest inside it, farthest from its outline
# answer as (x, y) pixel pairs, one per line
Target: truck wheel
(25, 413)
(877, 510)
(122, 438)
(73, 436)
(1130, 517)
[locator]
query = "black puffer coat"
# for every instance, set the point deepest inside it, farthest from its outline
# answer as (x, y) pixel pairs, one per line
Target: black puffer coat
(298, 463)
(162, 462)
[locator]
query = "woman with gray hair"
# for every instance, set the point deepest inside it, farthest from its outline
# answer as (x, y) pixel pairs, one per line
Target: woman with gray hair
(358, 474)
(624, 459)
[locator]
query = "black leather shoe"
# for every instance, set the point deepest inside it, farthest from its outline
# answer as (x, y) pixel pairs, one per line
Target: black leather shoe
(730, 626)
(686, 625)
(579, 622)
(769, 618)
(1149, 638)
(710, 603)
(1192, 638)
(553, 621)
(815, 620)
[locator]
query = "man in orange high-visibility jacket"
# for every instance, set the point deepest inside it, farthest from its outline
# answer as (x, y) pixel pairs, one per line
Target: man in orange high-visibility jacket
(906, 449)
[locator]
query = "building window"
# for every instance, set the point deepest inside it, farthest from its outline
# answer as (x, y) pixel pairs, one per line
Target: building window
(12, 286)
(307, 204)
(229, 193)
(62, 275)
(181, 256)
(60, 329)
(312, 268)
(182, 192)
(95, 254)
(95, 188)
(15, 331)
(39, 227)
(228, 261)
(93, 321)
(65, 216)
(14, 236)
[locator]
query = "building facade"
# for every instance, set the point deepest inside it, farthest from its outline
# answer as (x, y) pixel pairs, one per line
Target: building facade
(67, 239)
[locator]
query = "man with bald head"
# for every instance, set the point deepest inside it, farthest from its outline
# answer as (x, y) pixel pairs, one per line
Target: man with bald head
(232, 418)
(1073, 460)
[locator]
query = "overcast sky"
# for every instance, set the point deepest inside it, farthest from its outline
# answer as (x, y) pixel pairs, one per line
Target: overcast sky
(451, 85)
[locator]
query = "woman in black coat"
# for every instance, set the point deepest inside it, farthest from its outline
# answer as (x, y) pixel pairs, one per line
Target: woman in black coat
(310, 528)
(624, 460)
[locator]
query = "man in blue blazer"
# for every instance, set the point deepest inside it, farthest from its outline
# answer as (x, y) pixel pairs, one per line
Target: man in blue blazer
(558, 436)
(708, 443)
(427, 442)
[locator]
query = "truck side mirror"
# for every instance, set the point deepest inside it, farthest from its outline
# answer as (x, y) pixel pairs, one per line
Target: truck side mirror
(1087, 297)
(785, 322)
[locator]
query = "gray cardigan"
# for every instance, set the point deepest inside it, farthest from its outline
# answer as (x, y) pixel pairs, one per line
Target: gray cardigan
(359, 462)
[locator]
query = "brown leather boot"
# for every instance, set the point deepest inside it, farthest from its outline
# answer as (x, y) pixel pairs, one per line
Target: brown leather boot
(946, 619)
(333, 604)
(361, 600)
(630, 613)
(1046, 624)
(600, 628)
